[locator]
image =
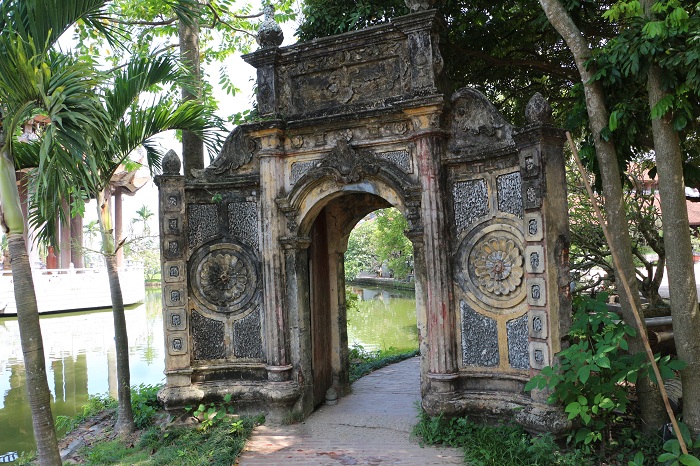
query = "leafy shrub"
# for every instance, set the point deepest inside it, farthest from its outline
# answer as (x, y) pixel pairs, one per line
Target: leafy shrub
(593, 374)
(145, 404)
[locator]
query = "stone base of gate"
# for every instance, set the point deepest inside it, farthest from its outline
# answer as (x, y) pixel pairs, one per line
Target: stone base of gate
(278, 401)
(491, 406)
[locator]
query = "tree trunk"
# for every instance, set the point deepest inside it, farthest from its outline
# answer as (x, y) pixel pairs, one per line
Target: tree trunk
(125, 415)
(38, 391)
(679, 259)
(651, 407)
(192, 146)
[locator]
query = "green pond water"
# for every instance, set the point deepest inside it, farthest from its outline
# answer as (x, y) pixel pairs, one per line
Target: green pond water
(81, 360)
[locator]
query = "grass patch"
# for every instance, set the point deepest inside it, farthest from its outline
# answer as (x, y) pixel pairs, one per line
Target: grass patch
(495, 445)
(362, 362)
(188, 446)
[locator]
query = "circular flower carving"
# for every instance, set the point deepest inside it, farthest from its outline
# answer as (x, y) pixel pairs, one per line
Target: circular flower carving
(498, 266)
(223, 278)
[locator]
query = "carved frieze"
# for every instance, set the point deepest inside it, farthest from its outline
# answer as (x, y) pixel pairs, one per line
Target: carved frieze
(510, 196)
(237, 151)
(347, 164)
(243, 222)
(225, 278)
(299, 169)
(476, 125)
(470, 202)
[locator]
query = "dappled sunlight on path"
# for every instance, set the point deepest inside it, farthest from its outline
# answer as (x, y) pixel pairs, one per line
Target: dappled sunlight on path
(371, 426)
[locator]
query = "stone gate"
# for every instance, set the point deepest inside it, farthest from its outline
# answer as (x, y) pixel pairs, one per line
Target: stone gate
(252, 246)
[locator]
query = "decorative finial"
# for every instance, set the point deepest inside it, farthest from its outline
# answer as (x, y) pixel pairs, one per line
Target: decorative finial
(270, 33)
(171, 163)
(419, 5)
(538, 110)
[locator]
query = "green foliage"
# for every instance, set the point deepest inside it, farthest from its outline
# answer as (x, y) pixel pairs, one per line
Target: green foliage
(360, 255)
(591, 377)
(145, 404)
(379, 238)
(495, 445)
(362, 362)
(213, 414)
(391, 242)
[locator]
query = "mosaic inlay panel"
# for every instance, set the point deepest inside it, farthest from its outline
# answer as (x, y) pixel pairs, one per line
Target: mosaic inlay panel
(518, 355)
(510, 195)
(208, 337)
(243, 222)
(479, 338)
(471, 202)
(247, 339)
(203, 223)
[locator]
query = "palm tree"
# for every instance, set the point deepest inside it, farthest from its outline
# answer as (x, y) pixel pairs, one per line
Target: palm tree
(36, 80)
(91, 230)
(128, 127)
(143, 215)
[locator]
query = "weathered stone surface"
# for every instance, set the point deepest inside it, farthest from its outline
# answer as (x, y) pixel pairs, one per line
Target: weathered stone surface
(243, 222)
(252, 246)
(203, 223)
(208, 337)
(518, 356)
(171, 163)
(479, 338)
(471, 202)
(247, 337)
(510, 197)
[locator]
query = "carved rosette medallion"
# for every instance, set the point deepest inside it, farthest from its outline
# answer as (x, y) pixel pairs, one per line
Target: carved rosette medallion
(498, 266)
(225, 278)
(490, 269)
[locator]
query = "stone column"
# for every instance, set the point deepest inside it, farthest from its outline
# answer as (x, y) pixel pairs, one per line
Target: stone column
(296, 263)
(273, 226)
(437, 290)
(171, 206)
(546, 226)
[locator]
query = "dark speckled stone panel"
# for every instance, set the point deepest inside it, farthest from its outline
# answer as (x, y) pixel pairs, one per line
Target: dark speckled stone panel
(208, 336)
(479, 338)
(518, 356)
(247, 341)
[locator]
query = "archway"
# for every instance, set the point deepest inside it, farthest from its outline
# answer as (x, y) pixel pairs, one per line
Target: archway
(251, 244)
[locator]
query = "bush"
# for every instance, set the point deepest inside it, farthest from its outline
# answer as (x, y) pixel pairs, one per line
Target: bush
(145, 404)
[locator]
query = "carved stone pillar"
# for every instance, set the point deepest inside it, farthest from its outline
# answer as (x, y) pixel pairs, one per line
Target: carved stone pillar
(540, 147)
(428, 138)
(273, 228)
(296, 263)
(171, 213)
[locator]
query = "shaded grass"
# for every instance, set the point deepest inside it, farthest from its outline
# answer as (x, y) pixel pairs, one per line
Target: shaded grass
(495, 445)
(188, 446)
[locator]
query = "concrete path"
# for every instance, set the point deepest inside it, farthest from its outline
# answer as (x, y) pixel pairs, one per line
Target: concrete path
(371, 426)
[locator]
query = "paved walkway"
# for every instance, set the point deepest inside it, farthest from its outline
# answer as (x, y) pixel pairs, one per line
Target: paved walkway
(371, 426)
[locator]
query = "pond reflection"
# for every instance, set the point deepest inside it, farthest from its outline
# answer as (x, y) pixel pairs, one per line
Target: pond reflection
(80, 361)
(383, 319)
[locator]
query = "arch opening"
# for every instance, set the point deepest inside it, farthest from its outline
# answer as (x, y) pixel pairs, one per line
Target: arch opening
(330, 339)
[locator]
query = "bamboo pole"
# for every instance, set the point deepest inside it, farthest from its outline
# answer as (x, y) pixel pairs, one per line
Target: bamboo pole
(625, 285)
